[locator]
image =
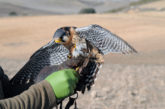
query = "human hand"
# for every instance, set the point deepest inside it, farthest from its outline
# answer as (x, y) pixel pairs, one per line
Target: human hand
(63, 82)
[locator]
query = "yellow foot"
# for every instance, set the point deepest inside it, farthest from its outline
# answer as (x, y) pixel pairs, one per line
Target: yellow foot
(77, 69)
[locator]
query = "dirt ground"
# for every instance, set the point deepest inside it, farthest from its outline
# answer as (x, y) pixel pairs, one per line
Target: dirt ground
(126, 81)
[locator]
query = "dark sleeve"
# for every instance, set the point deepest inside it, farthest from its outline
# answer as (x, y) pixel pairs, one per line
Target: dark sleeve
(1, 91)
(38, 96)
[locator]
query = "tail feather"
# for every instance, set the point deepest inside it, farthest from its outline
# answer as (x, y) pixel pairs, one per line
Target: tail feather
(87, 76)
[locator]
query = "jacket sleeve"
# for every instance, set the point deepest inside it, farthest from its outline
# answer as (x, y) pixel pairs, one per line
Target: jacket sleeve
(1, 91)
(38, 96)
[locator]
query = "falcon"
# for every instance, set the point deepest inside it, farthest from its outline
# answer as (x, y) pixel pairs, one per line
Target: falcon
(87, 45)
(91, 42)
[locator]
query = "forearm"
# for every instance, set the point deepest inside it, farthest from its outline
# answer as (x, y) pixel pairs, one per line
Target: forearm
(39, 96)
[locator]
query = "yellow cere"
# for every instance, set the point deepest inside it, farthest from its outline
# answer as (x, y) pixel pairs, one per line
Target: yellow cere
(57, 40)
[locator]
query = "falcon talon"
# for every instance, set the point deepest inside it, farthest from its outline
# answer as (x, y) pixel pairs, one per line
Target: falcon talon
(69, 56)
(77, 69)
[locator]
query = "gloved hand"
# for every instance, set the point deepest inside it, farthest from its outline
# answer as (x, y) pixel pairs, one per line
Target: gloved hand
(63, 82)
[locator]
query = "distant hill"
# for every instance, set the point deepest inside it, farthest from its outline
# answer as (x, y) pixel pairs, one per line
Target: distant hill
(37, 7)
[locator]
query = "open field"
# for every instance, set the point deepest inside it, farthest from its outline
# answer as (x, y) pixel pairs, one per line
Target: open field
(48, 7)
(125, 81)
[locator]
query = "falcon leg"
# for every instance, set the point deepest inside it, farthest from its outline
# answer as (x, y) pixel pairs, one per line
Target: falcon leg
(99, 58)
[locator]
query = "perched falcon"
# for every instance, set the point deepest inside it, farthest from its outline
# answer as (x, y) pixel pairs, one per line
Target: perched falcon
(91, 42)
(86, 44)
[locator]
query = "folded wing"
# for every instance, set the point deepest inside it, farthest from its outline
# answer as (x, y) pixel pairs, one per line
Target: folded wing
(54, 54)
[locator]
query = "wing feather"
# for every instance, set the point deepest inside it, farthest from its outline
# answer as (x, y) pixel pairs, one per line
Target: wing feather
(48, 55)
(104, 40)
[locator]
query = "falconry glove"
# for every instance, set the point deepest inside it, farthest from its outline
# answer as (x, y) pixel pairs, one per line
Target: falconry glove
(63, 82)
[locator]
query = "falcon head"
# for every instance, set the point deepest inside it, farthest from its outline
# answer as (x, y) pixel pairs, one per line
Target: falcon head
(64, 35)
(68, 37)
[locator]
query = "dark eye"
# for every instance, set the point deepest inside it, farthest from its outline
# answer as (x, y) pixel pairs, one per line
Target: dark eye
(62, 39)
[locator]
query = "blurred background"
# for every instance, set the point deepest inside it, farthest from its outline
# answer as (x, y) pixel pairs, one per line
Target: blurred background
(135, 81)
(47, 7)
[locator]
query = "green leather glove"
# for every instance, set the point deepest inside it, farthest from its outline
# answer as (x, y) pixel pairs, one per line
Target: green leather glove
(63, 82)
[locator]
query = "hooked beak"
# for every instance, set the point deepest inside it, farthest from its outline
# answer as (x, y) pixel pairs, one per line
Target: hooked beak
(57, 40)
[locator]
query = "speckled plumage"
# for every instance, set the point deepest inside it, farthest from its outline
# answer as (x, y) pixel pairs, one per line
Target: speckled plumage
(48, 55)
(88, 43)
(104, 40)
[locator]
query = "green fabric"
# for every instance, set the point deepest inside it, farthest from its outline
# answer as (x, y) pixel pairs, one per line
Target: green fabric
(63, 82)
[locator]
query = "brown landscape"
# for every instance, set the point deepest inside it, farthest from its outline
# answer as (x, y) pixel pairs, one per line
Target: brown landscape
(134, 81)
